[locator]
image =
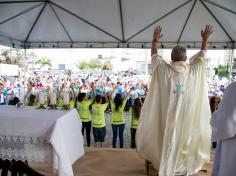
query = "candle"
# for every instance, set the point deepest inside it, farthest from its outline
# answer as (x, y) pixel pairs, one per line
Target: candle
(66, 98)
(53, 97)
(41, 97)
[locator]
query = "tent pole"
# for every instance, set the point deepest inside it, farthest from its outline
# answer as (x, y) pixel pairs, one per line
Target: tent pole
(25, 84)
(231, 65)
(146, 62)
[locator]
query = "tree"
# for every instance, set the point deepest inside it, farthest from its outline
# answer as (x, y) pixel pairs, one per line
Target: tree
(105, 67)
(82, 65)
(69, 72)
(94, 63)
(15, 56)
(44, 61)
(6, 56)
(222, 70)
(234, 63)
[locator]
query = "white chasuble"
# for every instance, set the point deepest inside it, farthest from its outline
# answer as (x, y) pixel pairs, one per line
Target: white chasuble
(174, 130)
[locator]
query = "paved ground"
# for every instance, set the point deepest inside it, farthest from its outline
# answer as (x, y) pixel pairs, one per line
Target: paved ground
(108, 138)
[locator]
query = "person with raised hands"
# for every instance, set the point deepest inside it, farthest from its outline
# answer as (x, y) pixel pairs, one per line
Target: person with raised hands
(98, 119)
(117, 116)
(174, 126)
(83, 104)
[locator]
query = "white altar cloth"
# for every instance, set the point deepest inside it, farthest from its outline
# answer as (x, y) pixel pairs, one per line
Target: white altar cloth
(62, 129)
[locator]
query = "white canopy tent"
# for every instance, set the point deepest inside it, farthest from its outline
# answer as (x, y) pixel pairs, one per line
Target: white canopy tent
(115, 23)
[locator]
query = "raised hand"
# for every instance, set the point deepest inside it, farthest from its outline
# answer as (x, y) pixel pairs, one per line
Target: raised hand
(157, 33)
(205, 35)
(156, 36)
(92, 86)
(207, 32)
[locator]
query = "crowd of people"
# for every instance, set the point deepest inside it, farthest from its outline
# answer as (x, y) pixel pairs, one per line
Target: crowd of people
(14, 87)
(91, 95)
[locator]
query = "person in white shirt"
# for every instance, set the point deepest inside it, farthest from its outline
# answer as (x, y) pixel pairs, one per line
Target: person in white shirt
(223, 123)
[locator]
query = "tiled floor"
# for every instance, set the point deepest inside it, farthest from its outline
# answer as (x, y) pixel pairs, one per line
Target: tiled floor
(107, 162)
(47, 169)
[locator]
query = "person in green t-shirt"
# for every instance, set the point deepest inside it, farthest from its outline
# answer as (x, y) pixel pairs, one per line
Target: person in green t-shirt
(135, 113)
(84, 113)
(98, 119)
(118, 119)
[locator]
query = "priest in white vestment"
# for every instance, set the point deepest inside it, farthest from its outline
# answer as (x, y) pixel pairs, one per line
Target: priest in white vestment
(223, 124)
(174, 130)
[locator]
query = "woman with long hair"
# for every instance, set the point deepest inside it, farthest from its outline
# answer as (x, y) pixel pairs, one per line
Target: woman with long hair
(98, 119)
(84, 113)
(135, 113)
(118, 119)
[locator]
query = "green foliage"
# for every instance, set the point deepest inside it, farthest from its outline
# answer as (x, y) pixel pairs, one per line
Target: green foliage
(234, 62)
(105, 67)
(82, 65)
(44, 61)
(93, 63)
(69, 72)
(222, 70)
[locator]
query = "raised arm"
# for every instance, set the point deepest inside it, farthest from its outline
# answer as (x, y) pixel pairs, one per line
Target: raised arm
(205, 35)
(156, 36)
(128, 93)
(105, 95)
(111, 94)
(93, 90)
(73, 94)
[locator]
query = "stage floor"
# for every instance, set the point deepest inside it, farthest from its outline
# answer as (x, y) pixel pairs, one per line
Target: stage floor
(109, 162)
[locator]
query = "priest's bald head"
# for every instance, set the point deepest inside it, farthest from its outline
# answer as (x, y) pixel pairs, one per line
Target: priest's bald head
(178, 53)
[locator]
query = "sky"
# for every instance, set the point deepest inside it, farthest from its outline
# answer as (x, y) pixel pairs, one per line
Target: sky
(72, 57)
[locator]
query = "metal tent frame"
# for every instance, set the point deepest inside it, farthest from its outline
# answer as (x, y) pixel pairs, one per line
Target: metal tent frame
(117, 42)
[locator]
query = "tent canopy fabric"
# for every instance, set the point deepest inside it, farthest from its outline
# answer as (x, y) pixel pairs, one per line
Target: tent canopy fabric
(115, 23)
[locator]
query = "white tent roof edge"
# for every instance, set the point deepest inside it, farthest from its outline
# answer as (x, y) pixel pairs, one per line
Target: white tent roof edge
(145, 45)
(66, 24)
